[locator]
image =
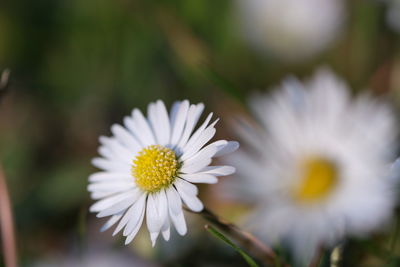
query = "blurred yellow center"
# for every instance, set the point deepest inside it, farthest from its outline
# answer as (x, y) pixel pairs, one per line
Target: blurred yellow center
(154, 168)
(318, 178)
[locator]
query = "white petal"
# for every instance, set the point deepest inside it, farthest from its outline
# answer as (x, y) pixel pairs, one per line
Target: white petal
(165, 230)
(113, 166)
(199, 143)
(191, 201)
(135, 131)
(152, 116)
(100, 194)
(109, 176)
(195, 166)
(200, 178)
(163, 127)
(156, 211)
(125, 138)
(135, 214)
(111, 186)
(188, 188)
(111, 222)
(174, 111)
(206, 152)
(179, 222)
(121, 205)
(191, 121)
(218, 170)
(112, 149)
(108, 202)
(132, 215)
(153, 237)
(228, 148)
(144, 132)
(174, 201)
(198, 132)
(136, 229)
(178, 121)
(105, 152)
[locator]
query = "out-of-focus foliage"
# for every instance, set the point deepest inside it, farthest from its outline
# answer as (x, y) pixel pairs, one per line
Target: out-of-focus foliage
(79, 66)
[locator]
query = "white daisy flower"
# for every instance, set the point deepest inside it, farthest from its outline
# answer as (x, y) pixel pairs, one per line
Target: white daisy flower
(319, 163)
(149, 167)
(291, 30)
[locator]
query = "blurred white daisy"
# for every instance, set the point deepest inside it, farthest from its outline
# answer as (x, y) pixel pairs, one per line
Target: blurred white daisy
(150, 166)
(319, 163)
(291, 30)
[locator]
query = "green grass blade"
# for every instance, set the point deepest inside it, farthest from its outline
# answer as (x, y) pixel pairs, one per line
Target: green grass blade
(220, 236)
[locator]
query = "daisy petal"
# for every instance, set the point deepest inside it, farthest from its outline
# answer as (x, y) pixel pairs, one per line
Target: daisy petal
(174, 111)
(174, 201)
(165, 230)
(218, 170)
(112, 149)
(132, 235)
(230, 147)
(164, 127)
(134, 215)
(112, 166)
(121, 205)
(191, 201)
(108, 202)
(200, 142)
(153, 116)
(156, 211)
(179, 222)
(195, 166)
(178, 121)
(191, 121)
(109, 176)
(153, 238)
(111, 187)
(198, 132)
(200, 178)
(125, 138)
(206, 152)
(144, 132)
(185, 186)
(111, 222)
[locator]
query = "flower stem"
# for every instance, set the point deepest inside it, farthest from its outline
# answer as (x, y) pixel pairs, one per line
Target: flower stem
(7, 224)
(246, 240)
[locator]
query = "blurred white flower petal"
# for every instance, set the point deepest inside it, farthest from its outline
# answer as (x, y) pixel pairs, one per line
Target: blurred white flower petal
(319, 168)
(291, 30)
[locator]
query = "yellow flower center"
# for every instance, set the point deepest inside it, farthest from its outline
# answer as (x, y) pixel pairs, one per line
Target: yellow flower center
(154, 168)
(319, 177)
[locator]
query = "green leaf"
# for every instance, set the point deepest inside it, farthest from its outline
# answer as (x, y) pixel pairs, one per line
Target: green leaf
(220, 236)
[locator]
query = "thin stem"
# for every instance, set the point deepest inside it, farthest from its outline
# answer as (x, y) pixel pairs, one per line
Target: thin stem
(7, 224)
(249, 242)
(220, 236)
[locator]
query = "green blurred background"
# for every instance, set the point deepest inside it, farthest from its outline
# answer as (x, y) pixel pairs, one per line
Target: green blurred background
(79, 66)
